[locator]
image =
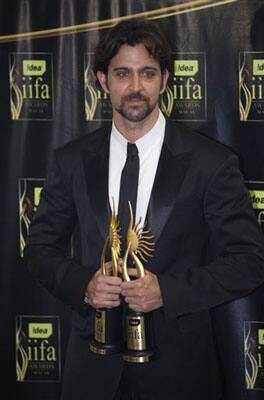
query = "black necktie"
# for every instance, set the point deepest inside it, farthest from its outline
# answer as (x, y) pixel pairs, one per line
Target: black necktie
(128, 190)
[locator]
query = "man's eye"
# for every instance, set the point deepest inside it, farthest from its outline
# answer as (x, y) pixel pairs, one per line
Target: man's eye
(122, 74)
(148, 74)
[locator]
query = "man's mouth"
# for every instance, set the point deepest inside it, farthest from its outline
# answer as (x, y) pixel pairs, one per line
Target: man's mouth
(134, 98)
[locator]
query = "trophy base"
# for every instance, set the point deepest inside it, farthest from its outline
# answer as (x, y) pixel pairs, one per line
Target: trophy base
(139, 356)
(108, 338)
(139, 337)
(105, 349)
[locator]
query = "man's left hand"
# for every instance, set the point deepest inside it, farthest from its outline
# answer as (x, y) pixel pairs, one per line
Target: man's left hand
(142, 294)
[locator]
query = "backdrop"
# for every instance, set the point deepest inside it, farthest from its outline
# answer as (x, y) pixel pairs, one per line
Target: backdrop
(48, 97)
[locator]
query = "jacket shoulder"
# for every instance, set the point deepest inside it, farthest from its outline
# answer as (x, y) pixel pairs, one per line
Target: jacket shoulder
(91, 142)
(69, 156)
(205, 148)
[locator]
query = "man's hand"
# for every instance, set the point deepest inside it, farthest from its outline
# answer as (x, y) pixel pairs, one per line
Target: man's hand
(104, 290)
(142, 294)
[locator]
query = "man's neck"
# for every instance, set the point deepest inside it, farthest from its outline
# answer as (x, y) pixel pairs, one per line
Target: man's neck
(133, 131)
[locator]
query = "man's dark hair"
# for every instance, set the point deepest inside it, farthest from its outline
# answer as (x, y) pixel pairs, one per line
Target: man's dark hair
(133, 32)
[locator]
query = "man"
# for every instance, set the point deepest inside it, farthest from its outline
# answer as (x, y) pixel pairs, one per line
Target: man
(208, 246)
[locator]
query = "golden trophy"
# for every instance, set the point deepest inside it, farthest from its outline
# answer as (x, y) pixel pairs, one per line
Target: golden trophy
(138, 325)
(108, 330)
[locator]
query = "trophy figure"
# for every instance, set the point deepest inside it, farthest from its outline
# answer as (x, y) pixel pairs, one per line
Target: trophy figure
(108, 331)
(138, 325)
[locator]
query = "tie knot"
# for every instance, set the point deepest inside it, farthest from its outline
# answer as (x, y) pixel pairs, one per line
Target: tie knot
(132, 150)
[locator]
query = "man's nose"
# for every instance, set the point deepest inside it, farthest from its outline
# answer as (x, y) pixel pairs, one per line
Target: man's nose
(135, 82)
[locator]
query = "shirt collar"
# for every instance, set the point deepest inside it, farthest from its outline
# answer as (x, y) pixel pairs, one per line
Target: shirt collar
(146, 142)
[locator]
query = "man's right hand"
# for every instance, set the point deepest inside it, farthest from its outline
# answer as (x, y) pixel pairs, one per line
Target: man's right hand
(104, 290)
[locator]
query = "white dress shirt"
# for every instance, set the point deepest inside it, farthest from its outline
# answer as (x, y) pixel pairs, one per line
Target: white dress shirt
(149, 148)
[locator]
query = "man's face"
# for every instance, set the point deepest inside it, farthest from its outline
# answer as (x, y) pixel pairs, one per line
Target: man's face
(134, 82)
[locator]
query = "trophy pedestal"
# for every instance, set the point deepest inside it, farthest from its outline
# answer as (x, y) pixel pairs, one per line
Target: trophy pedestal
(138, 356)
(108, 338)
(139, 336)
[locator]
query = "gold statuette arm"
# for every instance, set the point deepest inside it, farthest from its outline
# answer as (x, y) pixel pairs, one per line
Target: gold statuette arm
(139, 246)
(126, 277)
(115, 256)
(102, 263)
(138, 264)
(114, 241)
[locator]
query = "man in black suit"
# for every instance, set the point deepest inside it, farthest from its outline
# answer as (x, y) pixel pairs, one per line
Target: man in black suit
(208, 246)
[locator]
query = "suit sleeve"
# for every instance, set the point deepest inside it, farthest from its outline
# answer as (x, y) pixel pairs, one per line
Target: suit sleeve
(238, 264)
(47, 252)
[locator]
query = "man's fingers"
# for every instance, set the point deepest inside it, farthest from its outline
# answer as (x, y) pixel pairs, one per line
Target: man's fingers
(109, 280)
(134, 307)
(132, 292)
(103, 288)
(106, 296)
(108, 286)
(106, 303)
(131, 284)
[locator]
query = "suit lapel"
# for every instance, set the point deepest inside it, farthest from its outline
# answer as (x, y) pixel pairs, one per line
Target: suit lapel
(171, 170)
(173, 163)
(96, 162)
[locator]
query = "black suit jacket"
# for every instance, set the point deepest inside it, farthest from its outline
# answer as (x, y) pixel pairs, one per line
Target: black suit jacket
(209, 250)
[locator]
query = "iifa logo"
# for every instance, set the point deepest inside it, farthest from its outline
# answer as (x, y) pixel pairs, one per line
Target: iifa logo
(185, 95)
(186, 87)
(38, 348)
(31, 86)
(33, 82)
(251, 86)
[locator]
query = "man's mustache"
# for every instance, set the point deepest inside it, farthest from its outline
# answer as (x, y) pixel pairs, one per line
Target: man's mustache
(135, 96)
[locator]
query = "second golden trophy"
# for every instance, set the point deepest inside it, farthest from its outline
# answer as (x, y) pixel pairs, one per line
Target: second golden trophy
(139, 333)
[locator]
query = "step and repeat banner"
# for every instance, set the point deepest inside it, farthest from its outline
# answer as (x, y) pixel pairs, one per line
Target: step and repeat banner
(48, 97)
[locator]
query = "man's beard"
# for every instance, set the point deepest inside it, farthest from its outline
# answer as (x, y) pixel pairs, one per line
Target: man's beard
(135, 113)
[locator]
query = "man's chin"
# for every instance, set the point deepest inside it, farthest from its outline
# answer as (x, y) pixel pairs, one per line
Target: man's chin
(135, 115)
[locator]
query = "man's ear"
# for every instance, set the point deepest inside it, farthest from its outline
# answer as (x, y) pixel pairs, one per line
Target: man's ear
(102, 78)
(165, 77)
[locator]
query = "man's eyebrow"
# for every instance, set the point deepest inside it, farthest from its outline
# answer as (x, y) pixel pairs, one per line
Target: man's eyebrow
(118, 68)
(149, 67)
